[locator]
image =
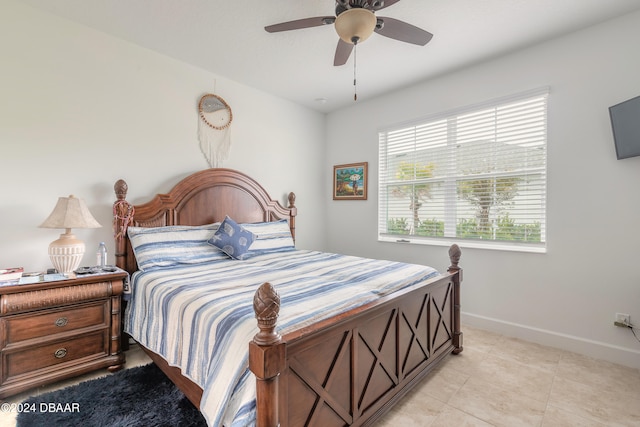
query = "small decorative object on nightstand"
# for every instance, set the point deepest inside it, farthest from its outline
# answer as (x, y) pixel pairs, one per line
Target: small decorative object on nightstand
(52, 330)
(66, 252)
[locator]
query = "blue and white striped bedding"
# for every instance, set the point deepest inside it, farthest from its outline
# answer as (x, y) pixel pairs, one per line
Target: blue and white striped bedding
(200, 317)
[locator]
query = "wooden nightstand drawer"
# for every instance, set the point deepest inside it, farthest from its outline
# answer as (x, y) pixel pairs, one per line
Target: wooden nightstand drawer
(51, 322)
(34, 358)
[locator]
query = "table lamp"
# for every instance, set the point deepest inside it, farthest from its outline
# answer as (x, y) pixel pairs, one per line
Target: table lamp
(66, 252)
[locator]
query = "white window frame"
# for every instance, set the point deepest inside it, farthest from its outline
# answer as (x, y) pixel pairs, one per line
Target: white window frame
(448, 183)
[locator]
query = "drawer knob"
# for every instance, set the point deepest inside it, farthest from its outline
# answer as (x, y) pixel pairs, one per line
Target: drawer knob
(61, 321)
(60, 353)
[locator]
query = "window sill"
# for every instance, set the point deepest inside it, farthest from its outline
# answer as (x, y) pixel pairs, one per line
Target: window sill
(498, 246)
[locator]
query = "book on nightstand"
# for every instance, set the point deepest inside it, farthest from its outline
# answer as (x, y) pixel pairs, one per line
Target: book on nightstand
(10, 275)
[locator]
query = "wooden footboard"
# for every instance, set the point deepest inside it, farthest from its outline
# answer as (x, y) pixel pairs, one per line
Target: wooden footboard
(350, 369)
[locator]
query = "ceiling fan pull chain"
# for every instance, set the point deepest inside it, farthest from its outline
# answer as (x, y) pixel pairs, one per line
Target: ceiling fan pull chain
(355, 56)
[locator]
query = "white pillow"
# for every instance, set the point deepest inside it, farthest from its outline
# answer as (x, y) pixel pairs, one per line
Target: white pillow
(272, 236)
(170, 246)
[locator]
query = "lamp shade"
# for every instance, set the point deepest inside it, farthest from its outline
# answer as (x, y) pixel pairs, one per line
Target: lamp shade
(70, 212)
(355, 25)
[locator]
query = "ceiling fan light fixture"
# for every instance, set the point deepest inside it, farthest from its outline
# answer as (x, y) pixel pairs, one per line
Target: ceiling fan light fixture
(355, 25)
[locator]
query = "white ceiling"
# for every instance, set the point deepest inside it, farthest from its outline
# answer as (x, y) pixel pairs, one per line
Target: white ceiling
(228, 38)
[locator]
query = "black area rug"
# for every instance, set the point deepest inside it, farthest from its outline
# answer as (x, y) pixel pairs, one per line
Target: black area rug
(136, 397)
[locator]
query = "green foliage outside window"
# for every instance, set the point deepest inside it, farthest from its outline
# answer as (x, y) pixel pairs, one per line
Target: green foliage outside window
(398, 226)
(431, 228)
(505, 229)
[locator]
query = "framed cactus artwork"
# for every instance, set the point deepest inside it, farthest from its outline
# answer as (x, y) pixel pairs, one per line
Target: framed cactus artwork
(350, 181)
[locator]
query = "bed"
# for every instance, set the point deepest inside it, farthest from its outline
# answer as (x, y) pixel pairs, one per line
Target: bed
(334, 365)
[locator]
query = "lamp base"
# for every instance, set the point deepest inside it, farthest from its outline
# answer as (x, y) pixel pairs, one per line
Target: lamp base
(66, 253)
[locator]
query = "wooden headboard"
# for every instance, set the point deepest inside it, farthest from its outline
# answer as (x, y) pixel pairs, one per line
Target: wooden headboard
(202, 198)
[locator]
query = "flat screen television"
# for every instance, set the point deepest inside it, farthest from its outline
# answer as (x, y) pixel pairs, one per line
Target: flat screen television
(625, 122)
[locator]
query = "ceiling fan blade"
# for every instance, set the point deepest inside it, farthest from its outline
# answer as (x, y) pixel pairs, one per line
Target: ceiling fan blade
(317, 21)
(400, 30)
(343, 51)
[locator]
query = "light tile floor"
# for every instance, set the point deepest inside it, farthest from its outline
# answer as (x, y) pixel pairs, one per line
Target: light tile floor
(495, 381)
(502, 381)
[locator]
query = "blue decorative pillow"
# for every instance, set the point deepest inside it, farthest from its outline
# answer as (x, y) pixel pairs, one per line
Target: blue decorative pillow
(232, 239)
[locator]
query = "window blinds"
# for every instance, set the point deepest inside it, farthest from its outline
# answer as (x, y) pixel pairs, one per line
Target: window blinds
(477, 173)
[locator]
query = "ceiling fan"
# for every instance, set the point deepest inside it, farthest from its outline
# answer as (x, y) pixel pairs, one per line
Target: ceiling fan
(355, 21)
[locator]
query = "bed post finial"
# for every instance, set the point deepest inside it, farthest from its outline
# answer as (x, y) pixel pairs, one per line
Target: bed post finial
(121, 188)
(267, 356)
(454, 257)
(266, 305)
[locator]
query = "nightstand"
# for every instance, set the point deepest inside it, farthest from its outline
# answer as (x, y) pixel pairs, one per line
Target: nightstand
(54, 330)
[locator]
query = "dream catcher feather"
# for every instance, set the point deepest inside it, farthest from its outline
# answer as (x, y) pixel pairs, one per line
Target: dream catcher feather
(214, 133)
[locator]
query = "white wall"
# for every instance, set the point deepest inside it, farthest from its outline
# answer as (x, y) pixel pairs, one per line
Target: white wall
(79, 110)
(568, 296)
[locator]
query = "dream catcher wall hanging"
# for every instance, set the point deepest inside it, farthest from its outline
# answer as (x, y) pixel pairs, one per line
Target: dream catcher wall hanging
(214, 134)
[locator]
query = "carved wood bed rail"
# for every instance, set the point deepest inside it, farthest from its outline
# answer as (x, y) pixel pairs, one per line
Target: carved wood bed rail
(346, 370)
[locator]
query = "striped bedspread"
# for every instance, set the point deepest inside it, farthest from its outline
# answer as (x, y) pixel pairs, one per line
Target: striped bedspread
(200, 317)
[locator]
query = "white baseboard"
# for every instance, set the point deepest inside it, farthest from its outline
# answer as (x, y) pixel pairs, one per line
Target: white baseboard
(597, 350)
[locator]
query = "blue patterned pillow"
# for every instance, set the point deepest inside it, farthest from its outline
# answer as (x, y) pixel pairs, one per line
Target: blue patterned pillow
(232, 239)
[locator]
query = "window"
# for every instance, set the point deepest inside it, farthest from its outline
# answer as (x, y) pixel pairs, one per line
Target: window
(477, 175)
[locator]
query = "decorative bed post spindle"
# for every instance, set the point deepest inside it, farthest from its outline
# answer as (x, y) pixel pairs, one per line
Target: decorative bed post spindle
(267, 356)
(122, 216)
(292, 215)
(454, 257)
